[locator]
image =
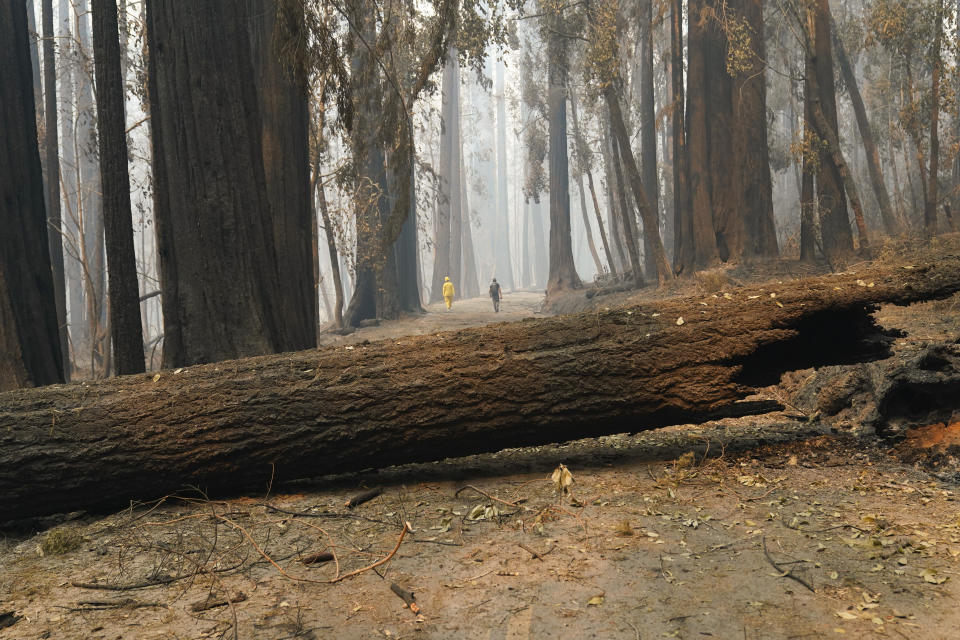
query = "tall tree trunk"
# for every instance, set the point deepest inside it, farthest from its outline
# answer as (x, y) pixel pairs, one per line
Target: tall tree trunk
(755, 186)
(683, 251)
(622, 264)
(118, 219)
(563, 272)
(331, 249)
(891, 223)
(89, 197)
(808, 206)
(76, 279)
(625, 212)
(586, 160)
(286, 165)
(591, 245)
(219, 272)
(408, 267)
(449, 191)
(370, 173)
(648, 215)
(648, 128)
(835, 229)
(705, 253)
(930, 205)
(53, 226)
(503, 263)
(30, 347)
(469, 285)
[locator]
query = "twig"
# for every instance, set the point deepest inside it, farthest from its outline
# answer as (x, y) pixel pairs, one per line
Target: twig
(406, 527)
(784, 574)
(538, 556)
(494, 498)
(102, 605)
(213, 603)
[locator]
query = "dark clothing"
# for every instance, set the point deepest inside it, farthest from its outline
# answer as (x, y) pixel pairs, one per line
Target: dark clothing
(495, 296)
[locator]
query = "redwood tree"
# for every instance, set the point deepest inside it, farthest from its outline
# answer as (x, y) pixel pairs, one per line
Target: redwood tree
(29, 342)
(220, 280)
(124, 290)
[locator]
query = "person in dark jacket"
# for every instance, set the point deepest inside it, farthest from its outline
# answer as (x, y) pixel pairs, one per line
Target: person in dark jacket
(495, 294)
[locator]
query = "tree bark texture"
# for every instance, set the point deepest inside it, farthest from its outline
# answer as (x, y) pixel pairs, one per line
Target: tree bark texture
(648, 129)
(563, 272)
(683, 255)
(219, 272)
(51, 150)
(503, 261)
(449, 191)
(930, 205)
(29, 338)
(286, 166)
(125, 324)
(233, 426)
(834, 221)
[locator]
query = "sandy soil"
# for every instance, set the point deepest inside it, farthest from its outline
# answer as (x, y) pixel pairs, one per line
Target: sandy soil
(764, 527)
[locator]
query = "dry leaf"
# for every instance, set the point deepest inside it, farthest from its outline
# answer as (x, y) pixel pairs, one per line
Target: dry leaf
(562, 479)
(679, 321)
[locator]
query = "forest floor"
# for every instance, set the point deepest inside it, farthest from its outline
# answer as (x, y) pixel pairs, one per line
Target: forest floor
(775, 526)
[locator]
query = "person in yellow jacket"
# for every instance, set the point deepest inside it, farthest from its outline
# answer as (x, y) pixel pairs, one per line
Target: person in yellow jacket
(448, 292)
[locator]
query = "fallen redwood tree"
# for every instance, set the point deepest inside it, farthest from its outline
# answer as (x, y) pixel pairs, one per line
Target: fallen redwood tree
(233, 426)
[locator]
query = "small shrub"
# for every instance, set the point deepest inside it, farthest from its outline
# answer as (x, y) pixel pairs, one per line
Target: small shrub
(60, 541)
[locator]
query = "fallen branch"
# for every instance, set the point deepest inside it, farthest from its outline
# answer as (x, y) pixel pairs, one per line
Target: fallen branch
(360, 498)
(406, 527)
(213, 603)
(317, 558)
(406, 596)
(784, 574)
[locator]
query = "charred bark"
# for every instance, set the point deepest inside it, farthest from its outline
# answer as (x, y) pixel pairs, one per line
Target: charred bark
(29, 338)
(124, 289)
(230, 427)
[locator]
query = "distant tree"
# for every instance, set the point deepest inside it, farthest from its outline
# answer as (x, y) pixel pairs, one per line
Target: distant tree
(30, 352)
(125, 323)
(51, 150)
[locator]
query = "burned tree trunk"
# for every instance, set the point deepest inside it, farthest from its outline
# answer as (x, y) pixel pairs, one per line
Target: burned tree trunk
(231, 426)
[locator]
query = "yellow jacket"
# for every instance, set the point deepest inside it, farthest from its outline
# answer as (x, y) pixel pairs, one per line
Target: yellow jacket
(448, 289)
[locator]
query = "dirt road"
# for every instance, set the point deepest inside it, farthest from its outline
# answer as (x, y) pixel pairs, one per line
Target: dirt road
(472, 312)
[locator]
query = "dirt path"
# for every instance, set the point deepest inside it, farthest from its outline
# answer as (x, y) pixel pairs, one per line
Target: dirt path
(472, 312)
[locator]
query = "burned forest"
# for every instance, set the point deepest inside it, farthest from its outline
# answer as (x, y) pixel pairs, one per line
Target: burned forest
(485, 319)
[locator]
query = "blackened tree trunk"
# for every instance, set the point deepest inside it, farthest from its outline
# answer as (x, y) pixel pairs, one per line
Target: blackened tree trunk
(683, 253)
(408, 266)
(837, 237)
(648, 128)
(613, 203)
(125, 324)
(286, 166)
(29, 335)
(51, 149)
(563, 272)
(891, 223)
(215, 237)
